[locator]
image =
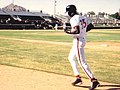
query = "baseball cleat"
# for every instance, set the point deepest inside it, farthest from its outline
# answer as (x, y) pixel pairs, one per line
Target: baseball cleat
(78, 81)
(94, 84)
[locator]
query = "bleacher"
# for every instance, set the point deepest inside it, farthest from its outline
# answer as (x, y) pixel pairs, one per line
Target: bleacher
(97, 20)
(106, 20)
(27, 20)
(17, 17)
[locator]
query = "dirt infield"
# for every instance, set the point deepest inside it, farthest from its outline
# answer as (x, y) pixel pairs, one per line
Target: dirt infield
(13, 78)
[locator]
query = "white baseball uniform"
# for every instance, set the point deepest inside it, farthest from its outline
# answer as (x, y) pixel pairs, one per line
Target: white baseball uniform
(79, 41)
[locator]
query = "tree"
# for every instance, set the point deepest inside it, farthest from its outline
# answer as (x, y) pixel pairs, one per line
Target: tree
(116, 15)
(91, 13)
(101, 14)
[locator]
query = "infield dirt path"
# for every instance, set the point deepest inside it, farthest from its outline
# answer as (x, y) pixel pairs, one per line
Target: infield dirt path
(13, 78)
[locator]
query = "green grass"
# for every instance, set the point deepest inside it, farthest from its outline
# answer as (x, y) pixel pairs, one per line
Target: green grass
(104, 61)
(103, 35)
(37, 35)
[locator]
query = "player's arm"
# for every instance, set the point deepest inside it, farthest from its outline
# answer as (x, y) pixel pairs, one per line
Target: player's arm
(76, 30)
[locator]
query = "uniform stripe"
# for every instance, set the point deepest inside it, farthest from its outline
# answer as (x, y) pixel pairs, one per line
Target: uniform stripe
(80, 59)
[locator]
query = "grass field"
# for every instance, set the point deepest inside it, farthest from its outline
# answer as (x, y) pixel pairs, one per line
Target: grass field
(48, 51)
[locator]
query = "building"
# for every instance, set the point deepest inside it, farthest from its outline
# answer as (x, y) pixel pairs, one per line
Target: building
(14, 16)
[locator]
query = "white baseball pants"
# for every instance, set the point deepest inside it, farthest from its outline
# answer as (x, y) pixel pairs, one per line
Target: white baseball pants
(77, 54)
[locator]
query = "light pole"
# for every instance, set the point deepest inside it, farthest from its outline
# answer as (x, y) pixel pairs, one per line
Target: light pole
(55, 1)
(13, 1)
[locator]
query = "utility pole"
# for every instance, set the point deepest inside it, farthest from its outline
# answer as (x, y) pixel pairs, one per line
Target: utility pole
(13, 2)
(119, 12)
(55, 4)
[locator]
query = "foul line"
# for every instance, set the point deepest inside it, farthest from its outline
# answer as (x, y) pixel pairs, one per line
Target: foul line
(37, 41)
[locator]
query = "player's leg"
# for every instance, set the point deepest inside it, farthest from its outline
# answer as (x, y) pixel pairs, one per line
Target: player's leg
(74, 64)
(81, 57)
(83, 64)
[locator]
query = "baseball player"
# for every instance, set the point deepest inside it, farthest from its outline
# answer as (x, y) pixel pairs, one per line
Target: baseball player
(79, 27)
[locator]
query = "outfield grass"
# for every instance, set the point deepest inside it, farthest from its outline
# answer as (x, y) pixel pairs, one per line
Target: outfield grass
(103, 35)
(27, 49)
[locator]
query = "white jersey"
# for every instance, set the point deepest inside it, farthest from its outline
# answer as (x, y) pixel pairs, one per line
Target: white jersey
(80, 21)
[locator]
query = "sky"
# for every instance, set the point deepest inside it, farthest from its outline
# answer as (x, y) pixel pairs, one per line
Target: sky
(84, 6)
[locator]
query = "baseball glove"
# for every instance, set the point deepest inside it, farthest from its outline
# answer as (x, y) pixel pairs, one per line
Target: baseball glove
(89, 27)
(67, 30)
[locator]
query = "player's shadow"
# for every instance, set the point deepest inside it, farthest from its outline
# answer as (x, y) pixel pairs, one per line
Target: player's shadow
(82, 86)
(115, 87)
